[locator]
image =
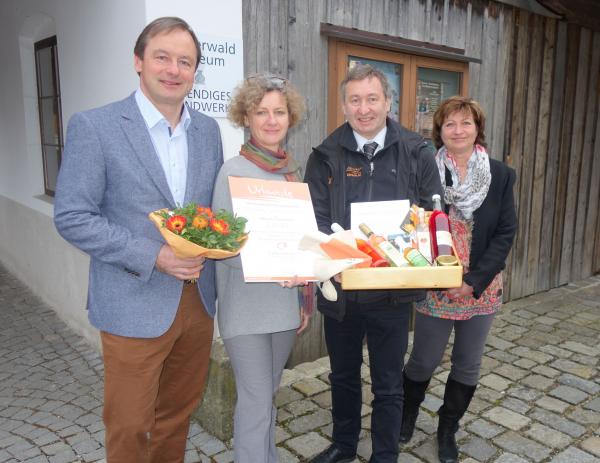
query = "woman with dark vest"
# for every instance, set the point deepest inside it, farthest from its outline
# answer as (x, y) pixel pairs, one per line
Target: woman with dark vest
(478, 193)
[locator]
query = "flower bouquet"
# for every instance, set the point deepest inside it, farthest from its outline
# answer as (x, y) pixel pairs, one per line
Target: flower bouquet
(194, 231)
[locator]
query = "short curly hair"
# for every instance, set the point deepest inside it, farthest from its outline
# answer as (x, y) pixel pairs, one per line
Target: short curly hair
(248, 95)
(451, 105)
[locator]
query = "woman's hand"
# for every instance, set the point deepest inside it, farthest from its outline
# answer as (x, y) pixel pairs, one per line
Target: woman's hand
(463, 291)
(295, 281)
(304, 321)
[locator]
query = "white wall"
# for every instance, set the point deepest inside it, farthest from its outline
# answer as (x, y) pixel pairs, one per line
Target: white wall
(95, 48)
(210, 18)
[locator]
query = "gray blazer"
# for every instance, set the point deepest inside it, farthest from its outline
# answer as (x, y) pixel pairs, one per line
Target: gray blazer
(110, 179)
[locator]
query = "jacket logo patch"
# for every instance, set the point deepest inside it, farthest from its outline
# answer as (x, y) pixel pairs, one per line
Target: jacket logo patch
(353, 171)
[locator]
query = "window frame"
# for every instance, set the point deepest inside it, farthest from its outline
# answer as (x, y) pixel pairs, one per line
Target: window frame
(51, 43)
(340, 50)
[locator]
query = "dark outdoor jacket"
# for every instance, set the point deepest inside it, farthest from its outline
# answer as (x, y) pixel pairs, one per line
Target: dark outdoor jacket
(338, 174)
(494, 228)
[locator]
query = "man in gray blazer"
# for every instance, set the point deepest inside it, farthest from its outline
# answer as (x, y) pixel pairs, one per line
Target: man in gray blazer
(122, 161)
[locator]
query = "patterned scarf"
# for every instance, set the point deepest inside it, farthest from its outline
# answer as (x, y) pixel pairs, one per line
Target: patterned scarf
(282, 163)
(278, 162)
(465, 196)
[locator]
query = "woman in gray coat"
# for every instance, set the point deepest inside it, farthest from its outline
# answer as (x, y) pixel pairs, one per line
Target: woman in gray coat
(259, 321)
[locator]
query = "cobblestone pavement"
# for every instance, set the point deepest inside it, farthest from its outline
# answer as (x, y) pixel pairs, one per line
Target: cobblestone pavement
(538, 399)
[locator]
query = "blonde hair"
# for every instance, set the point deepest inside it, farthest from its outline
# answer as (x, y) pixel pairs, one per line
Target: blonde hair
(248, 95)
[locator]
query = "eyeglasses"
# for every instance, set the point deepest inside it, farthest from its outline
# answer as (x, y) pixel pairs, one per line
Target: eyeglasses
(270, 81)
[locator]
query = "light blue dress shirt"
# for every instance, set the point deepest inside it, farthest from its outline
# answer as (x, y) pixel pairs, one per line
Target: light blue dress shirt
(171, 145)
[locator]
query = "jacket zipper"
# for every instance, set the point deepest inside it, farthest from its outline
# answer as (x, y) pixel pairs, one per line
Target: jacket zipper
(371, 170)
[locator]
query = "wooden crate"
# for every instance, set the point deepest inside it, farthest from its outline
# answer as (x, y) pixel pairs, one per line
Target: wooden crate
(402, 277)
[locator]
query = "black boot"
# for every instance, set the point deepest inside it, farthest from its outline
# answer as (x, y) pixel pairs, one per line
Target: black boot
(457, 397)
(414, 394)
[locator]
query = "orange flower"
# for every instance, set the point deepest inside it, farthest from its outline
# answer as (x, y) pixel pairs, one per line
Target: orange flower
(200, 222)
(205, 210)
(219, 226)
(176, 223)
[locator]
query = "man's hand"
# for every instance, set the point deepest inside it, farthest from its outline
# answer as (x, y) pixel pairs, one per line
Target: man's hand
(182, 269)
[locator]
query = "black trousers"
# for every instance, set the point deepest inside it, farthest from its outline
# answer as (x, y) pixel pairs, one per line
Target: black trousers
(386, 329)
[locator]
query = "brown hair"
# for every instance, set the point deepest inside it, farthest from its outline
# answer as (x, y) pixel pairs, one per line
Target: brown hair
(248, 95)
(460, 104)
(366, 71)
(160, 26)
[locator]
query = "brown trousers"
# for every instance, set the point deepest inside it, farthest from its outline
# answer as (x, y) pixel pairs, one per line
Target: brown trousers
(151, 386)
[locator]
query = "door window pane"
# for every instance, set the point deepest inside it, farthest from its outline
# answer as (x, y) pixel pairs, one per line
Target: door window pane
(51, 165)
(433, 86)
(46, 66)
(393, 72)
(50, 126)
(45, 72)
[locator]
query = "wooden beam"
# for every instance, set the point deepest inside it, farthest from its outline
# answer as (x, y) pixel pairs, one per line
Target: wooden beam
(396, 43)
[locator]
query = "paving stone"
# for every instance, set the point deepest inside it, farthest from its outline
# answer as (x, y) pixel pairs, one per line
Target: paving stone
(309, 422)
(507, 418)
(581, 348)
(511, 372)
(537, 382)
(516, 405)
(503, 356)
(493, 381)
(301, 407)
(524, 393)
(56, 448)
(519, 445)
(323, 399)
(478, 448)
(310, 386)
(584, 417)
(307, 445)
(509, 458)
(281, 435)
(285, 456)
(286, 395)
(592, 445)
(591, 387)
(498, 343)
(546, 371)
(484, 428)
(568, 394)
(593, 405)
(548, 436)
(432, 403)
(557, 422)
(212, 446)
(224, 457)
(574, 368)
(574, 455)
(552, 404)
(525, 363)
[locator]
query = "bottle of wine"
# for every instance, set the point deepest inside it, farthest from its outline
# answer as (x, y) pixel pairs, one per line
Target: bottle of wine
(439, 230)
(415, 258)
(377, 258)
(391, 254)
(423, 238)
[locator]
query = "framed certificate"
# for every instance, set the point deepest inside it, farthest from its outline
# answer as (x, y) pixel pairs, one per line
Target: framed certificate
(279, 214)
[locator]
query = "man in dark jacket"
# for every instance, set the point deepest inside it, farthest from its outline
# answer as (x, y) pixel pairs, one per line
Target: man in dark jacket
(369, 158)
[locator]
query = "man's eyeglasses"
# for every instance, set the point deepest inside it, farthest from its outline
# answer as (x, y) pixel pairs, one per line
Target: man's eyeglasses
(270, 80)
